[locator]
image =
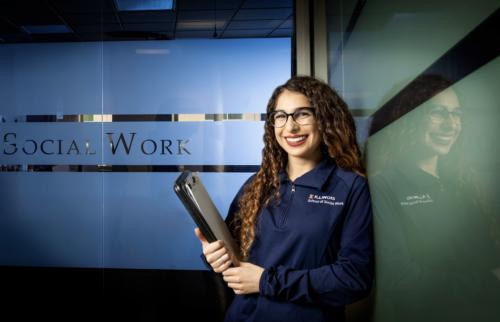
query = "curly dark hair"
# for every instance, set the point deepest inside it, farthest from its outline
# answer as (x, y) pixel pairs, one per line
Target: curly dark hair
(336, 127)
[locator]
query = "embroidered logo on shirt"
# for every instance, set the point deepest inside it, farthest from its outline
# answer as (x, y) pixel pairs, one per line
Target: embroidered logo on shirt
(416, 199)
(327, 200)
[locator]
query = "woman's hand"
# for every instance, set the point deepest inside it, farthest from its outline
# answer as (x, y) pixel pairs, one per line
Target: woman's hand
(243, 279)
(215, 253)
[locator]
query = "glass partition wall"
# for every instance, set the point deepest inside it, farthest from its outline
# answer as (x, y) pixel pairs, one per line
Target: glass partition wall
(421, 79)
(102, 106)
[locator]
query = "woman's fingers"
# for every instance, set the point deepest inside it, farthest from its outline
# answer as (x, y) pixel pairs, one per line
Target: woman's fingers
(210, 248)
(243, 279)
(200, 235)
(217, 256)
(212, 254)
(232, 279)
(221, 260)
(235, 286)
(222, 267)
(215, 253)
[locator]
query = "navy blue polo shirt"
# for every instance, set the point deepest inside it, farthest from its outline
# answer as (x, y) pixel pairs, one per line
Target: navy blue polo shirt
(316, 245)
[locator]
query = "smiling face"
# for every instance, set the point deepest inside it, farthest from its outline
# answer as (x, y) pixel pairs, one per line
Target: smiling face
(443, 123)
(299, 141)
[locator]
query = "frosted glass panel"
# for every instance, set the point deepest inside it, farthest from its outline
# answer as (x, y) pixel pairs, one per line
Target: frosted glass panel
(421, 79)
(433, 177)
(93, 135)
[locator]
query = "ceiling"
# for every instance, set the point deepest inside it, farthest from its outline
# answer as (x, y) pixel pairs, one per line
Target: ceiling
(26, 21)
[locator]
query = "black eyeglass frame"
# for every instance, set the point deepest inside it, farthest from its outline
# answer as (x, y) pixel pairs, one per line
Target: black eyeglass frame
(298, 109)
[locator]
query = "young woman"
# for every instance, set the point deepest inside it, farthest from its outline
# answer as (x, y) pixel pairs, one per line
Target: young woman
(303, 222)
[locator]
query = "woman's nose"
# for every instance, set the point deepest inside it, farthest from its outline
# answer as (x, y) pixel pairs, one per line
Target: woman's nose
(291, 125)
(451, 122)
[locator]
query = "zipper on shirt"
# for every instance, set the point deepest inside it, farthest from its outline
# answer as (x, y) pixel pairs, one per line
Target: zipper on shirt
(284, 215)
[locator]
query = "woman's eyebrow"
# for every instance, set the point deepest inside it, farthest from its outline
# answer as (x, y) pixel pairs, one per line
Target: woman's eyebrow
(299, 107)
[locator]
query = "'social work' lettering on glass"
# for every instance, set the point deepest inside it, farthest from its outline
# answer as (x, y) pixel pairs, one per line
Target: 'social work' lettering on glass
(121, 143)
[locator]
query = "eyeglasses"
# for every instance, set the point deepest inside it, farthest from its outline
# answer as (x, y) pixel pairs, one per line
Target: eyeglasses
(439, 115)
(302, 116)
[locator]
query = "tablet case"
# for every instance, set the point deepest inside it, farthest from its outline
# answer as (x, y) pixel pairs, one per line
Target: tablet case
(195, 198)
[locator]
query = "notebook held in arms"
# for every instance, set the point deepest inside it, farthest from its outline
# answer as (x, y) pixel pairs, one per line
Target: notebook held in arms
(195, 198)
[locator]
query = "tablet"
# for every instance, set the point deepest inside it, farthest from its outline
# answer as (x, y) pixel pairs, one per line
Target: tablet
(195, 198)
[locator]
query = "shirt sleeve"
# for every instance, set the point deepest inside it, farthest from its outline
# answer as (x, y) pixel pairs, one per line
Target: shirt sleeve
(349, 278)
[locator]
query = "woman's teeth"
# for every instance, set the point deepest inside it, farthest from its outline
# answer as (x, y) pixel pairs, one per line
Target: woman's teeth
(296, 139)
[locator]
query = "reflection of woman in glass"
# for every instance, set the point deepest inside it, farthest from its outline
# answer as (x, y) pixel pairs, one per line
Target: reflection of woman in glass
(434, 258)
(425, 134)
(303, 222)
